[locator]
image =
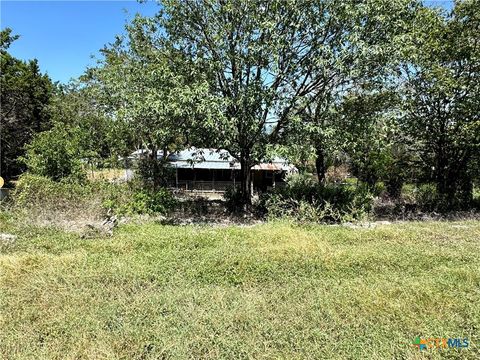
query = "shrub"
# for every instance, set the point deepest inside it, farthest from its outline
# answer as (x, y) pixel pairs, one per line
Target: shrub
(304, 200)
(154, 173)
(147, 202)
(233, 199)
(300, 187)
(131, 198)
(408, 193)
(65, 201)
(54, 154)
(426, 197)
(32, 190)
(277, 206)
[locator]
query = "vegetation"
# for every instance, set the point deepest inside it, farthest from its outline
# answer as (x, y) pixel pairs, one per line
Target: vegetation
(54, 154)
(144, 85)
(385, 93)
(268, 291)
(68, 204)
(442, 104)
(25, 97)
(387, 90)
(305, 200)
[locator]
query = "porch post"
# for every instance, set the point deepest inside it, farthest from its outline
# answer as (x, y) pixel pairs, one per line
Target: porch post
(176, 177)
(213, 180)
(252, 177)
(194, 179)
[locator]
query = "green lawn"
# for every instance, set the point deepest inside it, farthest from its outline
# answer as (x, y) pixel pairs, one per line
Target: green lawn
(268, 291)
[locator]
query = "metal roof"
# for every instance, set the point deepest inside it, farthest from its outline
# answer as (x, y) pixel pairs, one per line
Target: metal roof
(205, 158)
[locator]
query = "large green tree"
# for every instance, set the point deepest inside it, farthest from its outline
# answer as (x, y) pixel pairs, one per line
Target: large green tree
(442, 97)
(359, 48)
(76, 106)
(82, 134)
(24, 111)
(376, 145)
(271, 62)
(149, 90)
(261, 60)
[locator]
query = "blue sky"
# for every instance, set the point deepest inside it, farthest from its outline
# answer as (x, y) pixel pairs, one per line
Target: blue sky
(63, 35)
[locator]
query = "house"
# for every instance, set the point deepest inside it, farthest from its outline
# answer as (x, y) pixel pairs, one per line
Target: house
(205, 169)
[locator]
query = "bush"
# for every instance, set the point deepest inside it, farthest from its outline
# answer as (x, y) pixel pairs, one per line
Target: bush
(233, 199)
(34, 190)
(45, 200)
(131, 198)
(426, 198)
(63, 203)
(300, 187)
(144, 202)
(304, 200)
(54, 154)
(154, 173)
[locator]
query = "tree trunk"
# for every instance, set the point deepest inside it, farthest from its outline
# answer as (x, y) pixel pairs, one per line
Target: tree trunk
(445, 183)
(394, 186)
(154, 167)
(463, 182)
(320, 165)
(465, 189)
(246, 179)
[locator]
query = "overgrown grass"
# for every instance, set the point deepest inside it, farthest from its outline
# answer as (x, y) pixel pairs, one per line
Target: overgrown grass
(269, 291)
(73, 205)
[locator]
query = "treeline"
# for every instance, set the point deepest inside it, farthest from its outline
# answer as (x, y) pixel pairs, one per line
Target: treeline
(389, 88)
(26, 94)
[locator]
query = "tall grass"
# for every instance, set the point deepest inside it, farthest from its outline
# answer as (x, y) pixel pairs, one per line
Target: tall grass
(271, 291)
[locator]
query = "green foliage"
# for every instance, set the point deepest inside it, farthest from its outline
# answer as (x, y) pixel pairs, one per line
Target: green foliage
(37, 191)
(154, 173)
(67, 204)
(440, 95)
(298, 153)
(233, 199)
(305, 200)
(6, 38)
(373, 140)
(149, 202)
(268, 62)
(76, 108)
(25, 98)
(300, 187)
(388, 88)
(152, 91)
(56, 154)
(351, 64)
(425, 197)
(70, 203)
(81, 136)
(153, 291)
